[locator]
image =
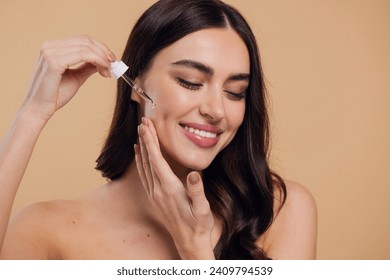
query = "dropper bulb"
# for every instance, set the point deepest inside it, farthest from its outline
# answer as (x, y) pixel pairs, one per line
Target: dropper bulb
(117, 69)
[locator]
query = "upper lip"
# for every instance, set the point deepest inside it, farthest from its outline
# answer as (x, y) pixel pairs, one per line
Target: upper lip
(204, 127)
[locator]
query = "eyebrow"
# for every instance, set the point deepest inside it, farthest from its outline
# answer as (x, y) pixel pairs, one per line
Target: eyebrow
(239, 77)
(208, 70)
(195, 65)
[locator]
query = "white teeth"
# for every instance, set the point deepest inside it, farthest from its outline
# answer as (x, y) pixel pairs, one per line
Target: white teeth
(200, 132)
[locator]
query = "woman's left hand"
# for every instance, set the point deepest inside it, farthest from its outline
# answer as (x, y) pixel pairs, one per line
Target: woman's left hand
(184, 210)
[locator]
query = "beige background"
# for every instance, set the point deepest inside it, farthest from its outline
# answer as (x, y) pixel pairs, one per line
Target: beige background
(327, 67)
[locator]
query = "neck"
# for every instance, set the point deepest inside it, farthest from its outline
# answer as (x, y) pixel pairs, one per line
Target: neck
(131, 185)
(178, 169)
(133, 195)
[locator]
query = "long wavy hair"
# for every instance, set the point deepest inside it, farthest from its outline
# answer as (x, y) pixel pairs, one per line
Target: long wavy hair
(239, 183)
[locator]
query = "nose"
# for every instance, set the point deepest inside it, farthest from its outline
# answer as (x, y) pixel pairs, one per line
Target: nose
(213, 106)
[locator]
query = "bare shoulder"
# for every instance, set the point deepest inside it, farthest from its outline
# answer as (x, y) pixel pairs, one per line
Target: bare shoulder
(299, 198)
(293, 233)
(32, 233)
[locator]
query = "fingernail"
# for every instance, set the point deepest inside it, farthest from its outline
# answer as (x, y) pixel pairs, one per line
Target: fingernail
(144, 121)
(141, 130)
(194, 178)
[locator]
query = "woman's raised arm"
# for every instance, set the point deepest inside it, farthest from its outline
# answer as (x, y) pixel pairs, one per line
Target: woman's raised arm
(53, 84)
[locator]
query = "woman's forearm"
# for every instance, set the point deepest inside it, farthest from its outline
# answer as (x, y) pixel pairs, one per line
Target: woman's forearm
(15, 152)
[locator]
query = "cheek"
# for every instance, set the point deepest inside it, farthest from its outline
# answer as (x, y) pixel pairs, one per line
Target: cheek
(171, 101)
(171, 105)
(161, 96)
(235, 115)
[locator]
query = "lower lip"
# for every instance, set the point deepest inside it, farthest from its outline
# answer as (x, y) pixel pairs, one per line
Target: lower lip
(200, 141)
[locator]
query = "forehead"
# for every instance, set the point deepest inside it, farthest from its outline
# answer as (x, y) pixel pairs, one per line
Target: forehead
(220, 48)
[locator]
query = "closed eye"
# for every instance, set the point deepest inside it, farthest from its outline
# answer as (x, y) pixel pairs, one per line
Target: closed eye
(235, 96)
(188, 85)
(196, 86)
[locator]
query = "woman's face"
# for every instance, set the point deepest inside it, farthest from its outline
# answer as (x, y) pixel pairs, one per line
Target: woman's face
(199, 85)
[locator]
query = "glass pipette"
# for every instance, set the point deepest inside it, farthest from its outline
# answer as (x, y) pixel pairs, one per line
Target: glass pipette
(118, 70)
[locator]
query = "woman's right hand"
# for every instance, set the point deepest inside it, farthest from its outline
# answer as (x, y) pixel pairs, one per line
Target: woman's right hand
(55, 82)
(62, 67)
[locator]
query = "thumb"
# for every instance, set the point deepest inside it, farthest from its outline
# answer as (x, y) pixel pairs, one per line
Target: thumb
(84, 72)
(195, 191)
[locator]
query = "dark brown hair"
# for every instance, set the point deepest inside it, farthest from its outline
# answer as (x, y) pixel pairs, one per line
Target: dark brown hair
(239, 183)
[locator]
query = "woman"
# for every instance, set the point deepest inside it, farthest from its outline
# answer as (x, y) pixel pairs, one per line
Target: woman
(192, 180)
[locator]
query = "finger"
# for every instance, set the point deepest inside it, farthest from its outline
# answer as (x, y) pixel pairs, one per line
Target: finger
(195, 190)
(65, 57)
(141, 171)
(145, 158)
(162, 169)
(150, 124)
(104, 48)
(82, 40)
(84, 71)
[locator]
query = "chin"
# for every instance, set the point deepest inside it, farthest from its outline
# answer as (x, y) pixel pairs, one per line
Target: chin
(191, 162)
(198, 166)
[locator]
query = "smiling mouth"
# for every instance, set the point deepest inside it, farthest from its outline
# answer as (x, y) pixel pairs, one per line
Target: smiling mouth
(201, 133)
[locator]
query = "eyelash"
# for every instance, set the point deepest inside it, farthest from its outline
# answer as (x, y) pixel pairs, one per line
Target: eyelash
(195, 86)
(188, 85)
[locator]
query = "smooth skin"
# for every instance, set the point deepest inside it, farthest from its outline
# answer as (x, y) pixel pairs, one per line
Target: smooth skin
(158, 209)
